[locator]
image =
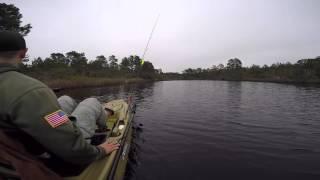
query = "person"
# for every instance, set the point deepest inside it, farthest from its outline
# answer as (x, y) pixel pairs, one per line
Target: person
(88, 114)
(31, 113)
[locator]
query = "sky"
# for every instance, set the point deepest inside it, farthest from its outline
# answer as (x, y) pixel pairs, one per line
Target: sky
(189, 33)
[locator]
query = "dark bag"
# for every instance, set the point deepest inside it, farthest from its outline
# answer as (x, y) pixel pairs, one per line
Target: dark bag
(27, 167)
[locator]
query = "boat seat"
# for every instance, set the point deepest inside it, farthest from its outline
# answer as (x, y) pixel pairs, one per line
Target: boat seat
(7, 172)
(99, 137)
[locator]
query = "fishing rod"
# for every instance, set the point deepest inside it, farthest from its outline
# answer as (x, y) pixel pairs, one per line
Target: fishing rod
(132, 105)
(149, 39)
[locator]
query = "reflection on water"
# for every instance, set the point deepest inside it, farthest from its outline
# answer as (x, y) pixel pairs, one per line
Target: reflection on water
(221, 130)
(139, 91)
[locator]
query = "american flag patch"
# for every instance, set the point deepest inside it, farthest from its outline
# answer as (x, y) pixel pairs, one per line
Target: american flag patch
(57, 118)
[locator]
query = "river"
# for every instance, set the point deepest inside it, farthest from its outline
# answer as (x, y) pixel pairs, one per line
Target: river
(221, 129)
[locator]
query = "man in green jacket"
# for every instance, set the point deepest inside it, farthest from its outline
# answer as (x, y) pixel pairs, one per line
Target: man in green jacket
(30, 112)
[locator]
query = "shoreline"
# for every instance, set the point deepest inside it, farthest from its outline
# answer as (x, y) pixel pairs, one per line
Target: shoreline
(87, 82)
(264, 80)
(253, 80)
(91, 82)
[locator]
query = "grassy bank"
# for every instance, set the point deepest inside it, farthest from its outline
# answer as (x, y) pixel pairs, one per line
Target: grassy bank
(303, 71)
(83, 81)
(272, 80)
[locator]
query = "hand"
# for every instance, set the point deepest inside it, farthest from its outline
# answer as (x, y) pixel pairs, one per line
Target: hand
(109, 147)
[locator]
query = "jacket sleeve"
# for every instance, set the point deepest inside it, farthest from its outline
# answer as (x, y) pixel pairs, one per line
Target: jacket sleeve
(65, 141)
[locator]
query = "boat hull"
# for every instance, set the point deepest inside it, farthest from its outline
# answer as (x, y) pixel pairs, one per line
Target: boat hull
(114, 165)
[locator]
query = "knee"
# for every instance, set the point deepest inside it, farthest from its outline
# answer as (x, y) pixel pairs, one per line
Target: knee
(67, 104)
(91, 102)
(65, 98)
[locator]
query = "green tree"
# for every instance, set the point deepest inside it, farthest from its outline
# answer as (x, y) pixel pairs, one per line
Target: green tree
(37, 62)
(137, 64)
(188, 71)
(113, 62)
(147, 67)
(125, 64)
(220, 66)
(99, 63)
(78, 61)
(56, 60)
(147, 70)
(102, 61)
(60, 59)
(234, 63)
(131, 63)
(214, 68)
(10, 19)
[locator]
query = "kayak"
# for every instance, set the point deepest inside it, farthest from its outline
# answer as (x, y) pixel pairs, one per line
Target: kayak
(113, 166)
(119, 129)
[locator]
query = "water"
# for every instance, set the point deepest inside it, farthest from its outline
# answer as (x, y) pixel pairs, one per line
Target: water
(222, 130)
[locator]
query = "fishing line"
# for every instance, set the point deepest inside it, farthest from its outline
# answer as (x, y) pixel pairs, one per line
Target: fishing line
(150, 37)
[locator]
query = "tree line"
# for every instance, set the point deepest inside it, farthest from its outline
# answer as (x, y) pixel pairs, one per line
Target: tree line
(73, 63)
(304, 70)
(59, 65)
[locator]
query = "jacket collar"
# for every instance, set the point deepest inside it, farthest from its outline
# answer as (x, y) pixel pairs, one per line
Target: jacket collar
(4, 67)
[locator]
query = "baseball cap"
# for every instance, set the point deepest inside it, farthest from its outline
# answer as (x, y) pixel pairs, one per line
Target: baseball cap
(11, 41)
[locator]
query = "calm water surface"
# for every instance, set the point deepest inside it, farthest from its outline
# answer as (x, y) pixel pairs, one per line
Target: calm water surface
(221, 130)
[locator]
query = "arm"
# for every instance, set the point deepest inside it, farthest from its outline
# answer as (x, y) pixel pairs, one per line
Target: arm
(65, 140)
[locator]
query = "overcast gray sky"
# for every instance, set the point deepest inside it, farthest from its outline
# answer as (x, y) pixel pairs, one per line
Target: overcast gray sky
(190, 33)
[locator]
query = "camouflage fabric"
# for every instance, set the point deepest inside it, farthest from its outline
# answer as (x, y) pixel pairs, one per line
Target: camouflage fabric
(89, 114)
(25, 102)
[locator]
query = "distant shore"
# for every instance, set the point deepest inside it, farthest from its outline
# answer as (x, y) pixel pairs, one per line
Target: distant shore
(283, 81)
(280, 81)
(82, 82)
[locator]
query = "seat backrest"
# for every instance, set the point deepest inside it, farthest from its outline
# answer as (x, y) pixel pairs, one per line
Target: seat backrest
(25, 164)
(8, 172)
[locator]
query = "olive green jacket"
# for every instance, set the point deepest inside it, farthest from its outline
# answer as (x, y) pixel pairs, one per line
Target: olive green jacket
(24, 102)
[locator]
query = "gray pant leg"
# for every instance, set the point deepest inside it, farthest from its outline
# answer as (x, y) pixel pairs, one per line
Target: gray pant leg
(67, 104)
(89, 113)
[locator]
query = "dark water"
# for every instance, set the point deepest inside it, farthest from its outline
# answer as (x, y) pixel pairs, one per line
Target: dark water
(222, 130)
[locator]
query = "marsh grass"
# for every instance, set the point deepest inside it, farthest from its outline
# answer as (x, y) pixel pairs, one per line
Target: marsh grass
(84, 81)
